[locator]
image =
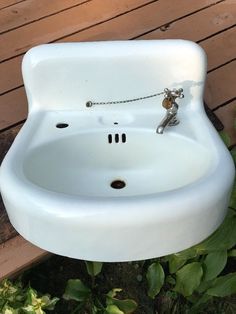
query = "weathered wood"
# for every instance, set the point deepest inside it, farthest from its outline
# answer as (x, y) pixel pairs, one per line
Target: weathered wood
(64, 23)
(220, 85)
(220, 48)
(122, 27)
(227, 114)
(6, 229)
(18, 254)
(28, 11)
(13, 108)
(8, 3)
(140, 21)
(205, 22)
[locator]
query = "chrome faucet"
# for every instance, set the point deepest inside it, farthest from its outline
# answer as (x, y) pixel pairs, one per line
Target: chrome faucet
(171, 106)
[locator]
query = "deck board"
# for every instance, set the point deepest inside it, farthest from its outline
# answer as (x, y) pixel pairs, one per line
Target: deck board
(203, 23)
(62, 24)
(9, 3)
(23, 24)
(16, 255)
(122, 27)
(220, 85)
(29, 11)
(227, 115)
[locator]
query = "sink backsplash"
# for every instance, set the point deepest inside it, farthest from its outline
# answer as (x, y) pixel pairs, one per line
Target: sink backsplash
(66, 76)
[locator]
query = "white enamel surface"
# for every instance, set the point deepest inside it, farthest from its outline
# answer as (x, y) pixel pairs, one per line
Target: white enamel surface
(55, 183)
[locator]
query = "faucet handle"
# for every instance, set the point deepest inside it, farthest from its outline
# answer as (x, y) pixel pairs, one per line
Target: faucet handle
(173, 94)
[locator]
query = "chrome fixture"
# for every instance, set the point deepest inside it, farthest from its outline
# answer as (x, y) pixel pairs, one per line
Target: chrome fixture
(171, 106)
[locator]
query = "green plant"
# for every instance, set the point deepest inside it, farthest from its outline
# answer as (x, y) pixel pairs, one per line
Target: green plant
(90, 301)
(195, 274)
(15, 299)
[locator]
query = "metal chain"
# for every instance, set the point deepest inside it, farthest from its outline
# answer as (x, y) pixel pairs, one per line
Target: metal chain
(91, 103)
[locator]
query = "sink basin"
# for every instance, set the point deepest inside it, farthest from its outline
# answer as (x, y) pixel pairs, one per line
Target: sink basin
(99, 183)
(85, 164)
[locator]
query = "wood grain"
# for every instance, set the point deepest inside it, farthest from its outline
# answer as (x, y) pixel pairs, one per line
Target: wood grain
(220, 85)
(227, 114)
(199, 25)
(64, 23)
(18, 254)
(28, 11)
(6, 139)
(8, 3)
(122, 27)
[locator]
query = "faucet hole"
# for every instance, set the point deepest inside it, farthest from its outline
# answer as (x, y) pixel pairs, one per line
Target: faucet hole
(62, 125)
(118, 184)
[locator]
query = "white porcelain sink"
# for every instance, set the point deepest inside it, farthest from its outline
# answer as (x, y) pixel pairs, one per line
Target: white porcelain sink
(99, 183)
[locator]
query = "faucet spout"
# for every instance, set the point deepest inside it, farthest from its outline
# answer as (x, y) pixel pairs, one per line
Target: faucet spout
(169, 119)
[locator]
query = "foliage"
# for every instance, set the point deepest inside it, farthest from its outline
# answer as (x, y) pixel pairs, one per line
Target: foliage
(15, 299)
(196, 273)
(89, 299)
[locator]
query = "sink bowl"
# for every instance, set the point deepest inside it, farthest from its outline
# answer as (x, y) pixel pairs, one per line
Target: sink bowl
(99, 183)
(85, 164)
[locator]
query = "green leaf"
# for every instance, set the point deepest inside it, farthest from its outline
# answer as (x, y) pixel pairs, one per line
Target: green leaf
(9, 310)
(113, 309)
(188, 278)
(126, 305)
(223, 286)
(49, 304)
(76, 290)
(232, 202)
(176, 262)
(224, 238)
(233, 154)
(112, 293)
(155, 277)
(93, 268)
(232, 253)
(225, 137)
(214, 264)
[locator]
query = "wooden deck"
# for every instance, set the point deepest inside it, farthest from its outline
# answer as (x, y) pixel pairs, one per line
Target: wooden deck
(26, 23)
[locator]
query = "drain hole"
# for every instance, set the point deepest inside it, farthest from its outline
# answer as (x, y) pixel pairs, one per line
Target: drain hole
(118, 184)
(62, 125)
(109, 138)
(123, 138)
(115, 122)
(117, 138)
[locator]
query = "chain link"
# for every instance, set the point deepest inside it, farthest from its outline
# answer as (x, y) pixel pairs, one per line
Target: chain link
(91, 103)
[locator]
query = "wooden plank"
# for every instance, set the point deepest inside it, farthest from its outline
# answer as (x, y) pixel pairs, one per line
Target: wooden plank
(11, 72)
(199, 25)
(220, 48)
(11, 119)
(18, 41)
(6, 139)
(8, 3)
(28, 11)
(220, 85)
(227, 115)
(18, 254)
(6, 231)
(152, 16)
(13, 108)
